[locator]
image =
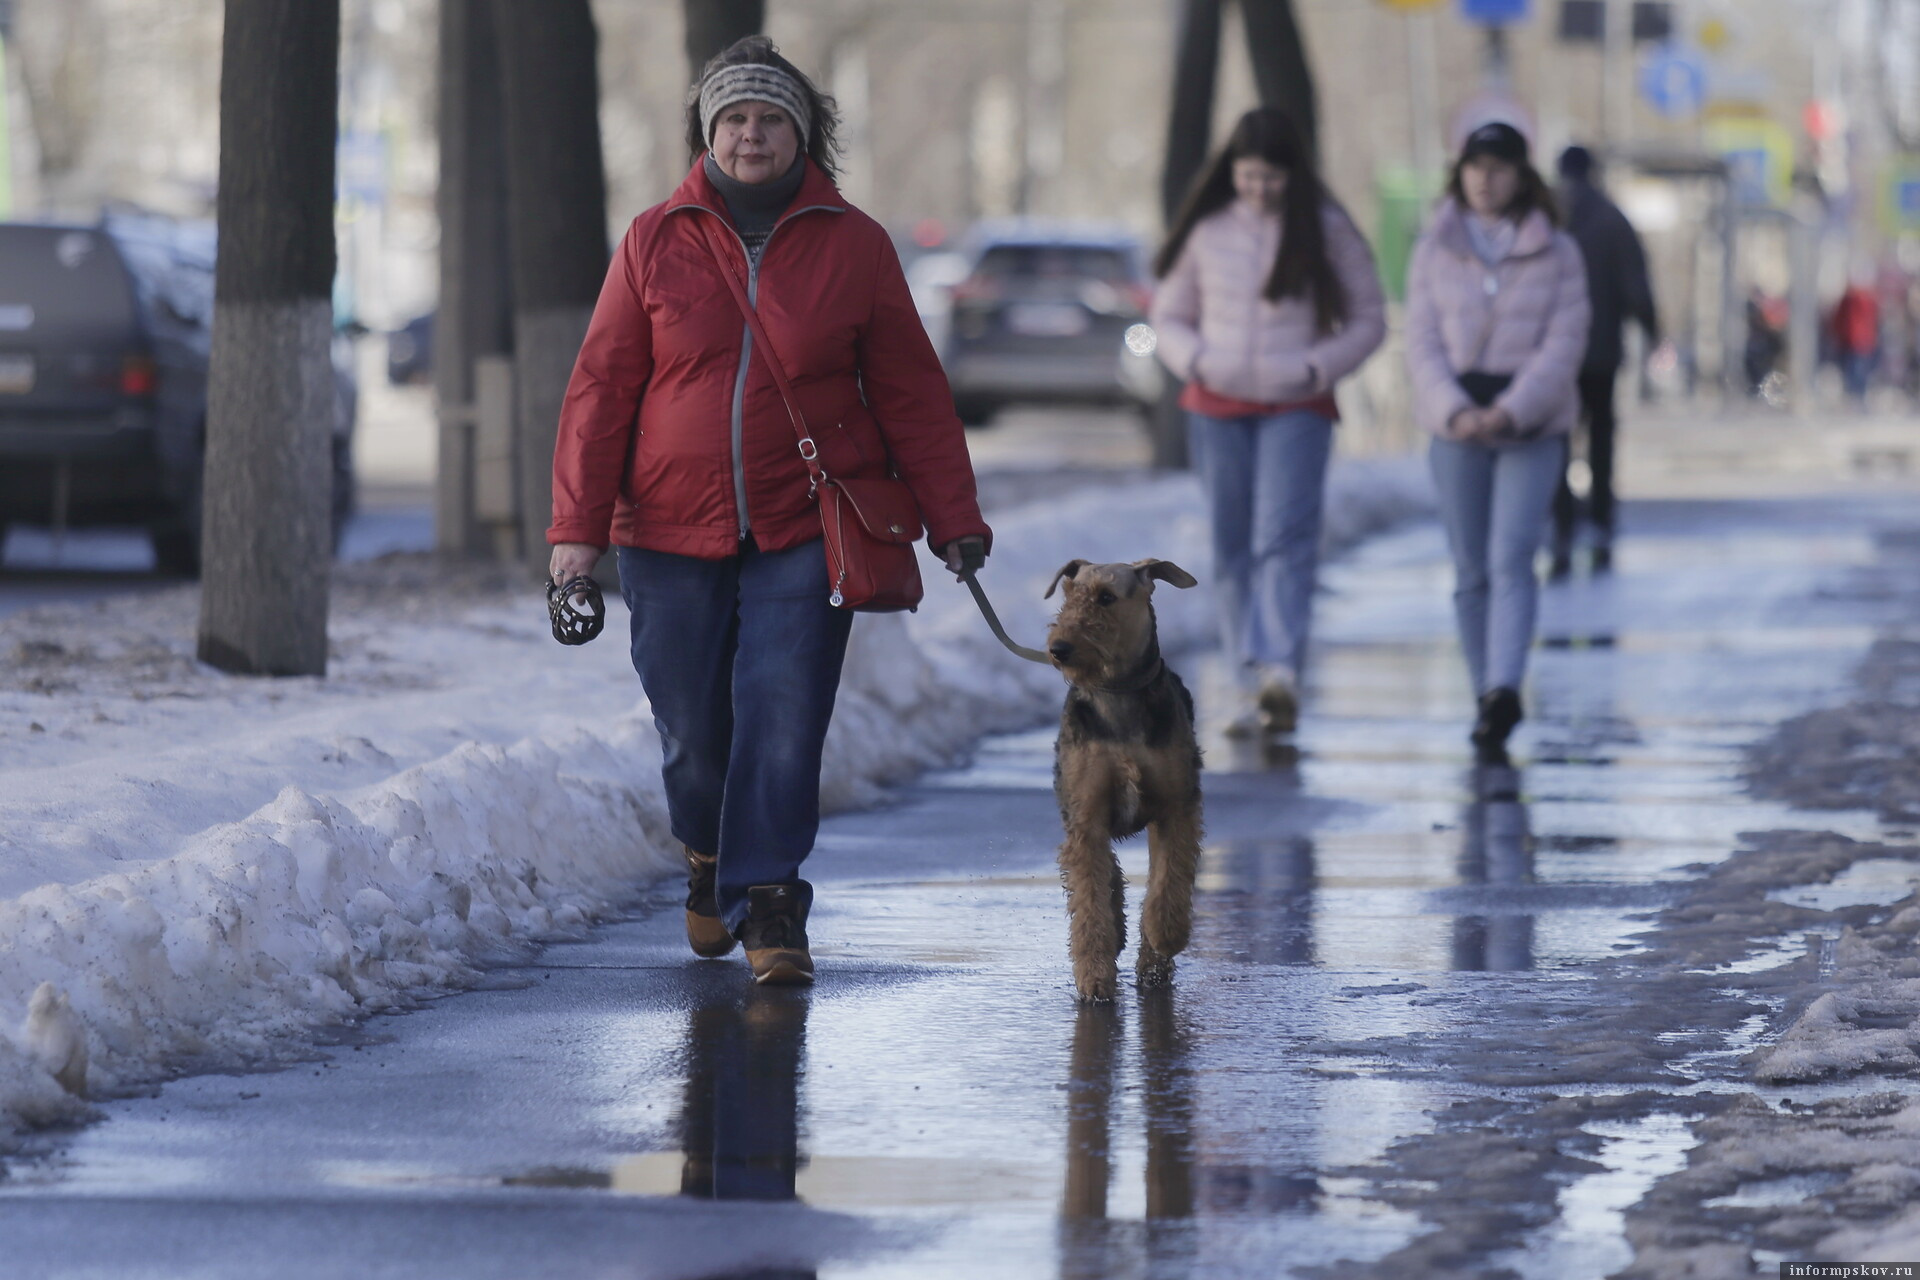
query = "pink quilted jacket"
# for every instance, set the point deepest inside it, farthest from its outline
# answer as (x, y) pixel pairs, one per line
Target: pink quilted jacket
(1214, 326)
(1526, 317)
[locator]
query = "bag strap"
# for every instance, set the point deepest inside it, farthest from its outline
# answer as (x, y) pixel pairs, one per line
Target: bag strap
(809, 451)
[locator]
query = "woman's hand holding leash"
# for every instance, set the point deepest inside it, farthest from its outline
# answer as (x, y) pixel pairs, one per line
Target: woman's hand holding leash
(964, 555)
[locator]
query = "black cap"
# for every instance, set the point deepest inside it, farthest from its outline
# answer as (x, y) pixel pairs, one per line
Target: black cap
(1498, 139)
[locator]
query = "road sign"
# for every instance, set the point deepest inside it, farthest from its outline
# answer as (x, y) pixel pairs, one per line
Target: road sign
(1900, 198)
(1412, 6)
(1495, 13)
(1674, 81)
(1759, 156)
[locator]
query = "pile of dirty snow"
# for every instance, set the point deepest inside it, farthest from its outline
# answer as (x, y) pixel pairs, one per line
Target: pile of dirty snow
(206, 867)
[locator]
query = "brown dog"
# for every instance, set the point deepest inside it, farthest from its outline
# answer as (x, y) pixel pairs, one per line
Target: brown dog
(1126, 760)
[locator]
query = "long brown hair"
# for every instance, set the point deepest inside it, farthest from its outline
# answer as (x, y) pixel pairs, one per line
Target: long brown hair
(1301, 269)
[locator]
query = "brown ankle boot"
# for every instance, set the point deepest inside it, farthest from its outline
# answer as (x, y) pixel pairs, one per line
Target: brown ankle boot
(775, 935)
(706, 933)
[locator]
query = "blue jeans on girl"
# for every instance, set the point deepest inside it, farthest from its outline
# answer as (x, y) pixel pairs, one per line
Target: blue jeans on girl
(1494, 502)
(1264, 478)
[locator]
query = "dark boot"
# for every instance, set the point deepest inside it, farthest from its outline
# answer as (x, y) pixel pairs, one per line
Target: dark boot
(775, 934)
(1499, 713)
(1603, 558)
(706, 933)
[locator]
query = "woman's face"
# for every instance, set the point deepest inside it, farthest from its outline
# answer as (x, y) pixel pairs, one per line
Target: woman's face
(755, 142)
(1489, 185)
(1258, 183)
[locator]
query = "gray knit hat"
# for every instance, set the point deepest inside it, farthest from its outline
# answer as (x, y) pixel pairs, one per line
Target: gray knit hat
(753, 82)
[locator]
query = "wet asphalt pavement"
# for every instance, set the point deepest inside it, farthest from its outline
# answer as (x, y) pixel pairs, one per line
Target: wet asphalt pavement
(938, 1106)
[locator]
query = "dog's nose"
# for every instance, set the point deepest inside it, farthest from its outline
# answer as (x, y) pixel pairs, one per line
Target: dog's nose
(1061, 650)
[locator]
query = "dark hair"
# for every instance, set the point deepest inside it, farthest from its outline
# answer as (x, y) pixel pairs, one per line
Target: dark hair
(1534, 193)
(823, 139)
(1301, 268)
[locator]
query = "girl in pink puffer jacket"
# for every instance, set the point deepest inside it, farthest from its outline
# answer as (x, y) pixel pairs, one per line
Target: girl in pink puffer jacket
(1268, 298)
(1497, 316)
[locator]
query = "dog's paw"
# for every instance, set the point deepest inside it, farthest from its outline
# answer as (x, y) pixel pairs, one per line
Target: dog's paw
(1097, 987)
(1153, 969)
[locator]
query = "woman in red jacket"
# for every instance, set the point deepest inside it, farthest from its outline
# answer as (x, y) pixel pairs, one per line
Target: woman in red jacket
(676, 447)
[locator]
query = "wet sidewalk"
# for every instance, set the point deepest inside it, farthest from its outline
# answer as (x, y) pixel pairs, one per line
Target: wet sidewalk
(1378, 923)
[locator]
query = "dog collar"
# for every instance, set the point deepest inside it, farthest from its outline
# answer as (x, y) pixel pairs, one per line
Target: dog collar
(1134, 685)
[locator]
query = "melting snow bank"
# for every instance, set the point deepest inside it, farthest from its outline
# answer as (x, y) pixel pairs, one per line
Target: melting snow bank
(223, 864)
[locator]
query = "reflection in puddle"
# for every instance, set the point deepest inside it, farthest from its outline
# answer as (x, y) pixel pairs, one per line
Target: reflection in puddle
(1496, 849)
(739, 1121)
(1869, 882)
(1773, 1193)
(1588, 1238)
(1255, 901)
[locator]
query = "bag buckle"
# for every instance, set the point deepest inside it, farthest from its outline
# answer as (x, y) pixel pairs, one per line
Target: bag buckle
(808, 449)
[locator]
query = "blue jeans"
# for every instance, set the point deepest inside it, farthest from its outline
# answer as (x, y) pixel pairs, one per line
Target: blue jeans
(1494, 502)
(1264, 479)
(741, 661)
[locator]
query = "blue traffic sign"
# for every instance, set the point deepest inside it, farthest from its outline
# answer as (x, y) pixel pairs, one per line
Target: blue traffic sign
(1495, 13)
(1674, 82)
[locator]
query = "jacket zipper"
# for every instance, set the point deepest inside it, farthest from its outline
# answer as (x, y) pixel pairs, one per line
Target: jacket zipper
(737, 416)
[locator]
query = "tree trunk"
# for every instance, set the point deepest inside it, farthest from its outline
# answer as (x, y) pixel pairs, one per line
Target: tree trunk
(267, 539)
(557, 224)
(1280, 67)
(475, 314)
(712, 25)
(1196, 65)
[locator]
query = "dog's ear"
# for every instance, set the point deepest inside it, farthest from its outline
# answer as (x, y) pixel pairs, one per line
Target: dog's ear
(1067, 570)
(1165, 571)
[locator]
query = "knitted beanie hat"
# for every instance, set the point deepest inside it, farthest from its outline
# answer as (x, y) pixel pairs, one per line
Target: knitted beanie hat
(755, 82)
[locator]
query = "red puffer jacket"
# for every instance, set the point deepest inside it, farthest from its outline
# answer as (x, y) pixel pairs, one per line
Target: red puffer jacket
(669, 428)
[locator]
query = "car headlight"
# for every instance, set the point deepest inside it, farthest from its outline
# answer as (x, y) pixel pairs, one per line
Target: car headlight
(1141, 339)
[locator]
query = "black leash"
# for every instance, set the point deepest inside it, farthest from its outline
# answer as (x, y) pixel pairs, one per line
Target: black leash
(1000, 632)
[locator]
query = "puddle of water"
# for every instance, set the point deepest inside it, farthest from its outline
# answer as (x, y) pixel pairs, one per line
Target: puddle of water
(1869, 882)
(1778, 1193)
(1771, 956)
(1588, 1238)
(865, 1182)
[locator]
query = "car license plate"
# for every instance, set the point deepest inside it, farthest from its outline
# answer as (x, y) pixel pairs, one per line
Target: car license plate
(16, 375)
(1047, 319)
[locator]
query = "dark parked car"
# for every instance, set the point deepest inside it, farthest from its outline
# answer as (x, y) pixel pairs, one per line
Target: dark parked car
(105, 333)
(1050, 311)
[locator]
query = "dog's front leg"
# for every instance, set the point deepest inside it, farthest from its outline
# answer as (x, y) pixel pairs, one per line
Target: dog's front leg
(1166, 918)
(1091, 875)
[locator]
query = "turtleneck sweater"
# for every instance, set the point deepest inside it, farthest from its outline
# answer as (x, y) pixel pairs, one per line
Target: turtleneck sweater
(756, 206)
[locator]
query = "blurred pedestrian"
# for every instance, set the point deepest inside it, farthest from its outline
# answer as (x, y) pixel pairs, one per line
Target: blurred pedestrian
(1856, 336)
(1497, 318)
(676, 446)
(1766, 339)
(1618, 290)
(1268, 298)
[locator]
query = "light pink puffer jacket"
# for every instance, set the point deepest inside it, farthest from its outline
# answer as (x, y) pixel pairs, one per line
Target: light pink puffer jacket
(1214, 326)
(1526, 317)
